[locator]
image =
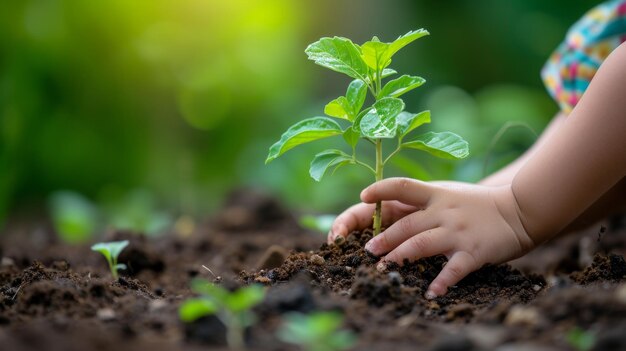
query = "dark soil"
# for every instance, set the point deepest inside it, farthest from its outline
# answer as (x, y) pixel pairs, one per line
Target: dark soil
(59, 297)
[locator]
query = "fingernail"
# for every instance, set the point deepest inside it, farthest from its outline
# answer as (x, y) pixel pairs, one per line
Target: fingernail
(430, 295)
(371, 246)
(381, 266)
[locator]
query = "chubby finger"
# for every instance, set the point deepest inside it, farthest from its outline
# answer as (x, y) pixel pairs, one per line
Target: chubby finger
(458, 267)
(401, 231)
(429, 243)
(406, 190)
(359, 216)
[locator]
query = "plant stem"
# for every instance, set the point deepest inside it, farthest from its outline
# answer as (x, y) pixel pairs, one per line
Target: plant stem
(234, 333)
(113, 268)
(379, 176)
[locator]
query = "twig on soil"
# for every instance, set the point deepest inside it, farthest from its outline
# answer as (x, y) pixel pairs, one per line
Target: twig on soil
(18, 290)
(210, 271)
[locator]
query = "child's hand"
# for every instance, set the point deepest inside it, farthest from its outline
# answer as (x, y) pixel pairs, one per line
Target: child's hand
(472, 225)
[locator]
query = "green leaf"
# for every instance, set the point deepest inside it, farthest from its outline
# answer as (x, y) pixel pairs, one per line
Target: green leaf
(110, 250)
(193, 309)
(406, 39)
(120, 266)
(380, 122)
(351, 137)
(408, 121)
(325, 159)
(338, 54)
(303, 132)
(444, 145)
(399, 86)
(245, 298)
(321, 223)
(340, 108)
(347, 107)
(388, 72)
(209, 290)
(385, 73)
(356, 93)
(374, 54)
(377, 55)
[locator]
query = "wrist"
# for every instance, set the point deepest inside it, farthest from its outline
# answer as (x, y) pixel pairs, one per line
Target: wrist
(507, 205)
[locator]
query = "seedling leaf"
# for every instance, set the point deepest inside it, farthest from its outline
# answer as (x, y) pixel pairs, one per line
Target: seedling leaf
(245, 298)
(408, 121)
(325, 159)
(357, 91)
(444, 145)
(338, 54)
(340, 108)
(316, 331)
(213, 291)
(405, 40)
(303, 132)
(399, 86)
(388, 72)
(320, 223)
(111, 251)
(193, 309)
(351, 137)
(375, 54)
(380, 122)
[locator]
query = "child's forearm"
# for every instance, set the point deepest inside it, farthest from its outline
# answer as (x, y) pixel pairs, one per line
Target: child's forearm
(582, 161)
(505, 175)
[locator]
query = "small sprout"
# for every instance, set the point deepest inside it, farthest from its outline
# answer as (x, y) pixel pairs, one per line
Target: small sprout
(317, 331)
(580, 340)
(232, 308)
(111, 251)
(320, 223)
(74, 217)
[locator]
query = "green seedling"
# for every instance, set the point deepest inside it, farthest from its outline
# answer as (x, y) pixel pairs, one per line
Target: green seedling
(75, 218)
(318, 331)
(320, 223)
(385, 119)
(580, 340)
(232, 308)
(111, 251)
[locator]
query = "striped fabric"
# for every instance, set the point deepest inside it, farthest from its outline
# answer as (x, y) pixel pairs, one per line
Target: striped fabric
(587, 43)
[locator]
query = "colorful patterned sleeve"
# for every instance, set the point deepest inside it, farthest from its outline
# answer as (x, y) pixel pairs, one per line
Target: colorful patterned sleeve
(587, 43)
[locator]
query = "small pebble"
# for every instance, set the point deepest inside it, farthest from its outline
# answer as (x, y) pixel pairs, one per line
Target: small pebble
(395, 277)
(7, 261)
(156, 305)
(536, 287)
(105, 314)
(317, 260)
(522, 315)
(263, 280)
(406, 321)
(433, 305)
(620, 293)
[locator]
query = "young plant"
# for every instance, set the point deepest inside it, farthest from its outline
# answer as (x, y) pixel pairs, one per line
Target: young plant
(232, 308)
(318, 331)
(385, 119)
(111, 251)
(580, 339)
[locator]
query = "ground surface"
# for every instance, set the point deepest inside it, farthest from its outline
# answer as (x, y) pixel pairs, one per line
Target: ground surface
(57, 297)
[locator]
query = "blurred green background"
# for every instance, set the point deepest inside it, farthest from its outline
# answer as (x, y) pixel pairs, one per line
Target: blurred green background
(153, 109)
